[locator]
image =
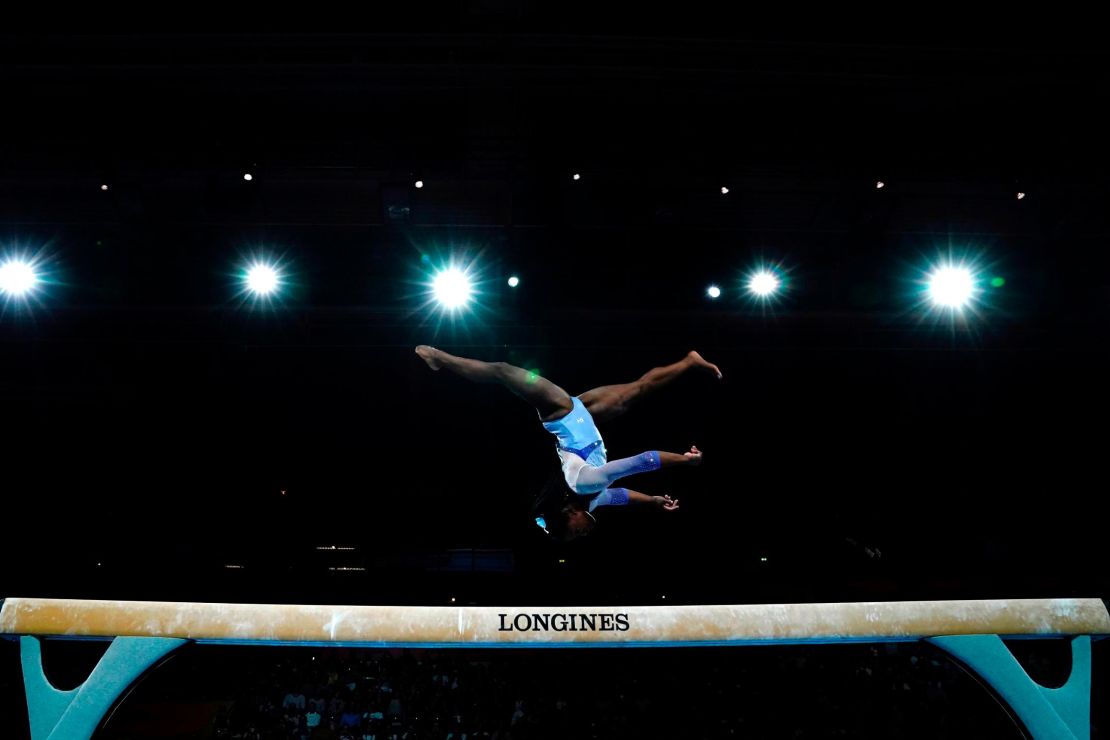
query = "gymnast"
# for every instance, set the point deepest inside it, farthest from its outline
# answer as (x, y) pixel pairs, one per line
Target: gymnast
(567, 511)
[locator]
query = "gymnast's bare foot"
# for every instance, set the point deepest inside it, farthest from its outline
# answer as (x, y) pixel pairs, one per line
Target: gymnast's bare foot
(700, 361)
(429, 355)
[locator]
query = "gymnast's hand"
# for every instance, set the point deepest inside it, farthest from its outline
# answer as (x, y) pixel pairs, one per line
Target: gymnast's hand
(693, 457)
(665, 502)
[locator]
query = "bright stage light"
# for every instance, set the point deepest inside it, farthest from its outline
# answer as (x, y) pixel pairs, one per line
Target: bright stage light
(713, 291)
(514, 281)
(452, 288)
(17, 278)
(262, 279)
(951, 286)
(763, 283)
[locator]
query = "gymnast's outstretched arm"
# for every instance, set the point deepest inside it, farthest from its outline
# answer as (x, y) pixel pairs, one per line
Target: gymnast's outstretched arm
(592, 479)
(625, 496)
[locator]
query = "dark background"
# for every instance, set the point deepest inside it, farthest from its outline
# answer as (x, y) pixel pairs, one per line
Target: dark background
(860, 446)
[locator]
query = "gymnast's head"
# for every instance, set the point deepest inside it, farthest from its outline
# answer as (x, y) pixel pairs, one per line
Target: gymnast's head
(558, 513)
(568, 523)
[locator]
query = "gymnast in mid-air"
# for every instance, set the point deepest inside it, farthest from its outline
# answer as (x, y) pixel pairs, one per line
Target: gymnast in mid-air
(573, 420)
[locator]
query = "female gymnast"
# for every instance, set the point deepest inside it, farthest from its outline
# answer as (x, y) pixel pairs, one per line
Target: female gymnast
(572, 419)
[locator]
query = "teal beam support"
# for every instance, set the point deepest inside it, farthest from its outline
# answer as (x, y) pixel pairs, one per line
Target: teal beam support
(1049, 714)
(75, 714)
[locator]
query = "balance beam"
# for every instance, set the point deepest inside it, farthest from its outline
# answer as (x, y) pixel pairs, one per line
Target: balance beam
(144, 632)
(435, 626)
